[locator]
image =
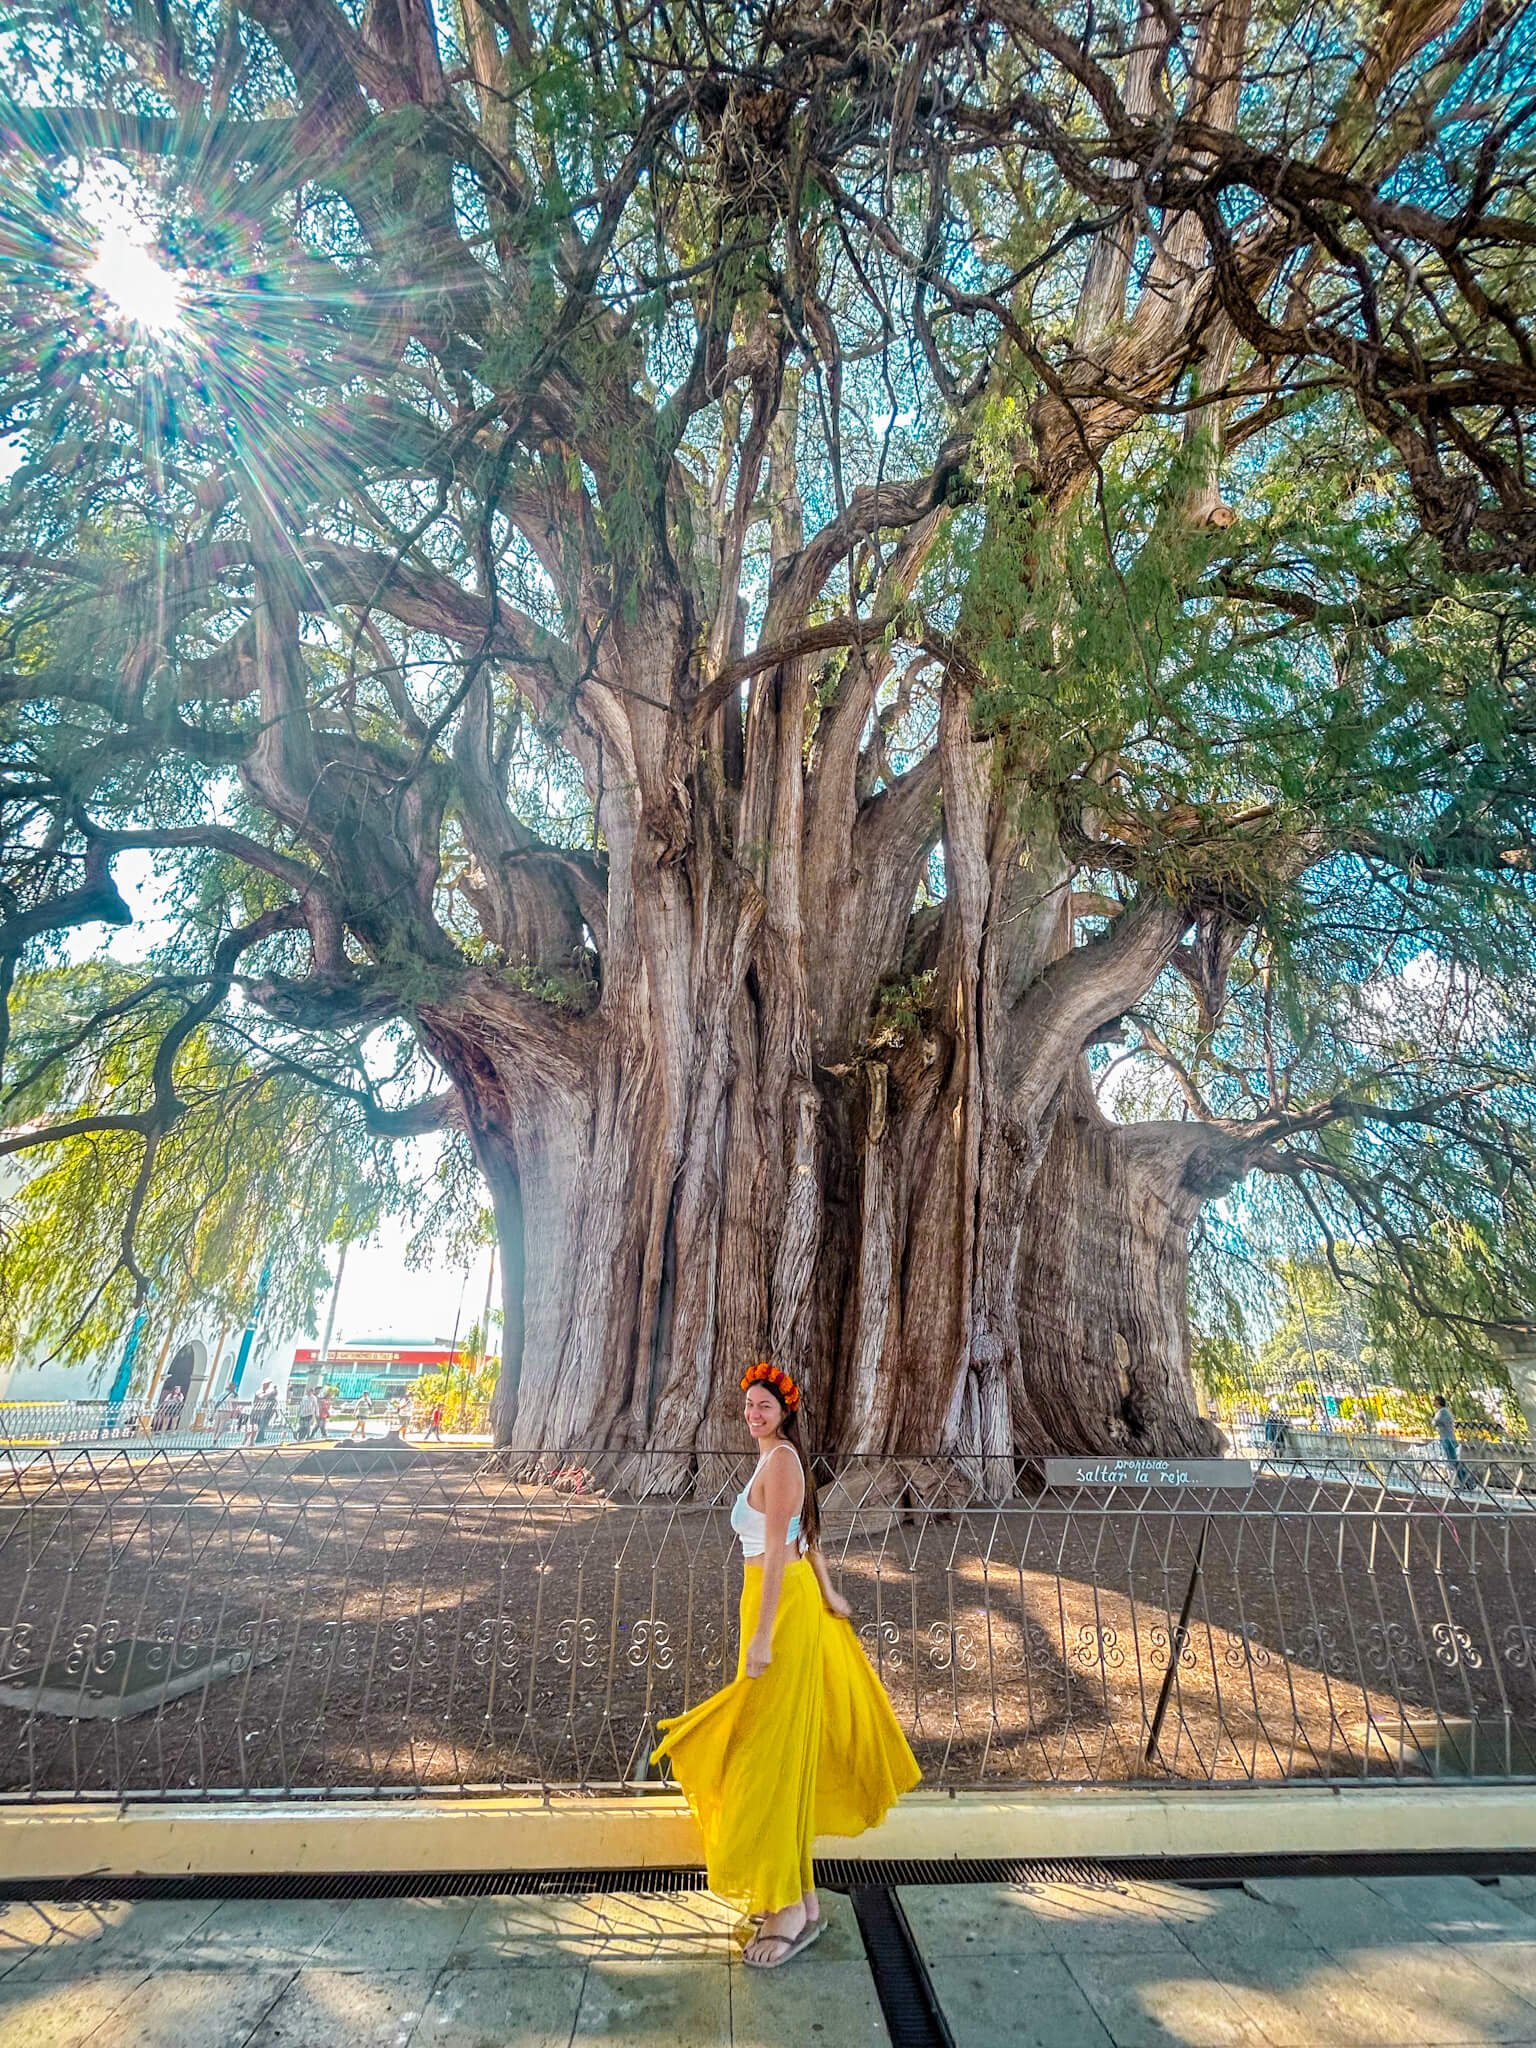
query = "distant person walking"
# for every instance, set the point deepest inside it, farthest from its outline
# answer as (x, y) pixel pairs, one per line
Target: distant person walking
(263, 1409)
(360, 1415)
(1276, 1433)
(434, 1427)
(309, 1414)
(325, 1413)
(1443, 1423)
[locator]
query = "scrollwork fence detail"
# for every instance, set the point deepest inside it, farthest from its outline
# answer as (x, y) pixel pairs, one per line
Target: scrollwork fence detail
(186, 1621)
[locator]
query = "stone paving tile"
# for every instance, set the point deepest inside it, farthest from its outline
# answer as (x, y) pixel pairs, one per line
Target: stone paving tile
(543, 1932)
(1300, 1998)
(689, 1927)
(1017, 2001)
(192, 2009)
(45, 2013)
(635, 2005)
(963, 1920)
(1510, 1963)
(1126, 1920)
(540, 1932)
(1455, 1909)
(27, 1924)
(393, 1934)
(343, 2009)
(1000, 1919)
(1145, 2000)
(501, 2007)
(1233, 1919)
(1440, 1993)
(113, 1936)
(1337, 1909)
(812, 1999)
(1393, 1997)
(259, 1934)
(1304, 1963)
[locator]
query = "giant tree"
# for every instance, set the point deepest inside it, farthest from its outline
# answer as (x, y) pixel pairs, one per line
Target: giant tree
(768, 586)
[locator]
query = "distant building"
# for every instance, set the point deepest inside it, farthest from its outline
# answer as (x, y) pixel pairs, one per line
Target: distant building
(200, 1365)
(382, 1367)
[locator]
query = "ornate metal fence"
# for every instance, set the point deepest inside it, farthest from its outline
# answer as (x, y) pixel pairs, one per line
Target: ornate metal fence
(328, 1619)
(39, 1425)
(34, 1424)
(1498, 1465)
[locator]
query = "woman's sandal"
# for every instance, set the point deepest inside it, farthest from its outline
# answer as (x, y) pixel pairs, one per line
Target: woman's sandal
(791, 1945)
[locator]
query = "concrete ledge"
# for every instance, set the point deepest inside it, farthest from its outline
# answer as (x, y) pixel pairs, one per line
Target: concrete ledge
(507, 1834)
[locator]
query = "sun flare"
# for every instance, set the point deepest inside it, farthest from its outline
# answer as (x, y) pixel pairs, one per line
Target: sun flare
(138, 288)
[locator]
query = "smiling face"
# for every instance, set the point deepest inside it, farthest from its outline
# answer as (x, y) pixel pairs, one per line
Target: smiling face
(763, 1412)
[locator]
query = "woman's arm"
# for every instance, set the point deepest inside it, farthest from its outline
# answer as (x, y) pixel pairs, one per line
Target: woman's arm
(834, 1600)
(782, 1487)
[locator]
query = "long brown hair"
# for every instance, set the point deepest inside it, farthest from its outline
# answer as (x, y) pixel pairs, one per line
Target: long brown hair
(789, 1429)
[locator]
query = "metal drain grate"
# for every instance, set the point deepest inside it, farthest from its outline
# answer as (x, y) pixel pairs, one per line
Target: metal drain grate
(913, 2016)
(837, 1874)
(349, 1884)
(845, 1875)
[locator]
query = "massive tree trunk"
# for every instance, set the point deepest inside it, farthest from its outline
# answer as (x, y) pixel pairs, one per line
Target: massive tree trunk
(922, 1214)
(1103, 1360)
(1072, 1334)
(787, 1105)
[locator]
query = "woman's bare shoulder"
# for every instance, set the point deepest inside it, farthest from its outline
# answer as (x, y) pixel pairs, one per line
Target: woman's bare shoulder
(782, 1477)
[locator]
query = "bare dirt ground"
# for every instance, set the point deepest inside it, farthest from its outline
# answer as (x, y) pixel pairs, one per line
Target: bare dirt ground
(444, 1625)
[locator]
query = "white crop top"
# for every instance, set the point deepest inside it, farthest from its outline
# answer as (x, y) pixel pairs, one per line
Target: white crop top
(751, 1524)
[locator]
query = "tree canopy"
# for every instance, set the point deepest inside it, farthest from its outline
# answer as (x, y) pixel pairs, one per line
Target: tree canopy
(822, 627)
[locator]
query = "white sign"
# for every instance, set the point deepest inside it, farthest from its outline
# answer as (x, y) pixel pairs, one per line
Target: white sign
(1175, 1472)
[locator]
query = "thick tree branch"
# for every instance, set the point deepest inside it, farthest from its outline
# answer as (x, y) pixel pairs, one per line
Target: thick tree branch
(217, 839)
(1092, 984)
(873, 509)
(95, 901)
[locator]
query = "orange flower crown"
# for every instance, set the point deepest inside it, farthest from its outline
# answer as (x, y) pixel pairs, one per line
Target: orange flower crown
(773, 1376)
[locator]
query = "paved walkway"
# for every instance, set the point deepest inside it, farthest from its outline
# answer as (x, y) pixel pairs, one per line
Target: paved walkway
(1307, 1963)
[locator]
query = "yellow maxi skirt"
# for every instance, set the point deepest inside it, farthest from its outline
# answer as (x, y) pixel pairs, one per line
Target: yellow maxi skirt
(810, 1748)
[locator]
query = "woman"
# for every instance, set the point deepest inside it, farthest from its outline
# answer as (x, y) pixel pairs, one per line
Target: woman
(804, 1742)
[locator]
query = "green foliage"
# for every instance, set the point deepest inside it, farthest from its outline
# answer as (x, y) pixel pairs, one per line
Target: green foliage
(1322, 1337)
(465, 1389)
(1223, 1371)
(260, 1167)
(1351, 1336)
(570, 991)
(1309, 667)
(453, 1224)
(902, 1010)
(514, 332)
